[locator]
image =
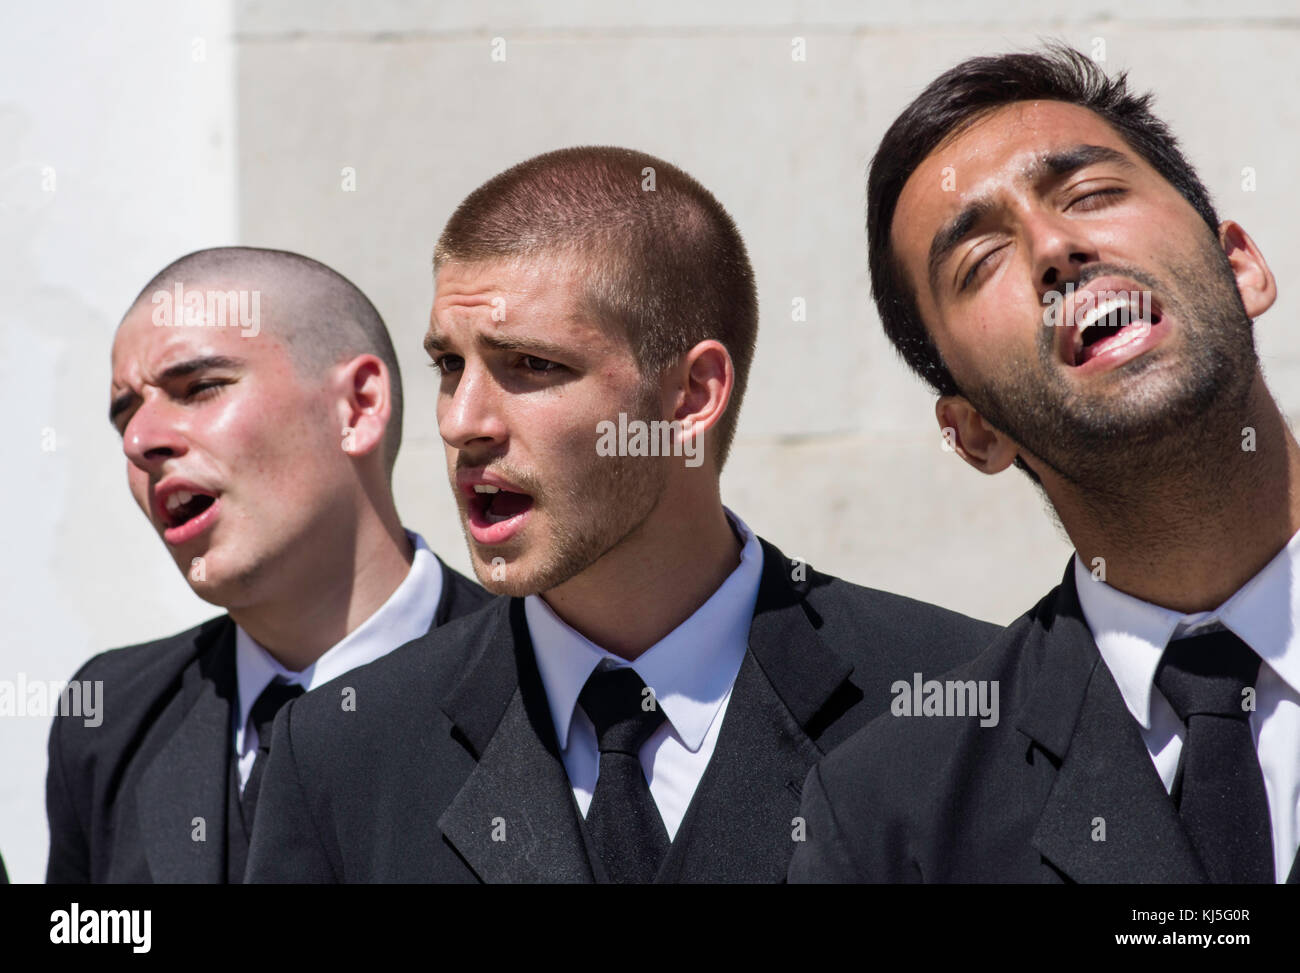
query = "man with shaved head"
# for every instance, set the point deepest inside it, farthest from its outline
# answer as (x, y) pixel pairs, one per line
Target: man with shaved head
(646, 703)
(259, 403)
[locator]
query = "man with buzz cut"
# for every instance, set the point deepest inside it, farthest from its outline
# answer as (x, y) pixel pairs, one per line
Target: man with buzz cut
(260, 408)
(1082, 312)
(645, 704)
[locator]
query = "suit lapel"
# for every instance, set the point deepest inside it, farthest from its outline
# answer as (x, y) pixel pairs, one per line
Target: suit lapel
(1108, 817)
(187, 779)
(514, 819)
(739, 825)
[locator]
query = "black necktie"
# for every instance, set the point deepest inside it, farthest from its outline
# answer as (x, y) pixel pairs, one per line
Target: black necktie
(1219, 787)
(275, 695)
(623, 821)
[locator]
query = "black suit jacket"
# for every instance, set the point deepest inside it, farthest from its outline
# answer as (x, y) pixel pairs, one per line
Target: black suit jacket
(123, 797)
(448, 769)
(942, 799)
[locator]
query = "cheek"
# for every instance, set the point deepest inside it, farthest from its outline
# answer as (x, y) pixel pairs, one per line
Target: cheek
(1006, 319)
(578, 441)
(560, 436)
(273, 436)
(960, 343)
(248, 436)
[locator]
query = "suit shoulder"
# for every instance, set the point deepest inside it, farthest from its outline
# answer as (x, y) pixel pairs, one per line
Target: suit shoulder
(1016, 652)
(887, 607)
(466, 584)
(424, 668)
(916, 748)
(874, 626)
(132, 683)
(133, 666)
(462, 595)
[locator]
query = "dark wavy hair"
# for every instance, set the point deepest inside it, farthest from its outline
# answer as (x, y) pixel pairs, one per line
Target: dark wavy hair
(951, 103)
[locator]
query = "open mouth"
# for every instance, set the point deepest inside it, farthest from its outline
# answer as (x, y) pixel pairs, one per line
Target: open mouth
(185, 511)
(493, 505)
(497, 513)
(1111, 325)
(181, 507)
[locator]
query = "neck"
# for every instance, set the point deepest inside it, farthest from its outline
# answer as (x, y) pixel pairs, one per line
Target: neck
(655, 579)
(1188, 532)
(342, 582)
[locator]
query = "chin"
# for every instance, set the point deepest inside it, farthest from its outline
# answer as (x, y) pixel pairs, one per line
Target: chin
(221, 585)
(214, 592)
(512, 583)
(522, 574)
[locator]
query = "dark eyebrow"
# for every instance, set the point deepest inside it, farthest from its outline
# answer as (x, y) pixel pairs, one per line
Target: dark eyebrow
(118, 406)
(171, 372)
(1069, 160)
(953, 232)
(434, 342)
(192, 365)
(1057, 164)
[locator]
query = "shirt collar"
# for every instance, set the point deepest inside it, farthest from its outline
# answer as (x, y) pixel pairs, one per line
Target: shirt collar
(691, 669)
(1132, 634)
(406, 615)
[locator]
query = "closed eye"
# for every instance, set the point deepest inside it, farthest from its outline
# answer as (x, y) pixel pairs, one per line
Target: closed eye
(204, 389)
(976, 267)
(1097, 199)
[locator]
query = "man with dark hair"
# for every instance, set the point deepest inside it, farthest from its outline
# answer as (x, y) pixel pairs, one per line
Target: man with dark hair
(259, 404)
(645, 705)
(1045, 257)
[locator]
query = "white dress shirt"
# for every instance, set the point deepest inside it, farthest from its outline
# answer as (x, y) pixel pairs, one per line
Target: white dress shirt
(406, 615)
(691, 671)
(1264, 613)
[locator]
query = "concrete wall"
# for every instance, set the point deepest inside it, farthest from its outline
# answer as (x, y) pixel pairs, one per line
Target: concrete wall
(837, 459)
(117, 128)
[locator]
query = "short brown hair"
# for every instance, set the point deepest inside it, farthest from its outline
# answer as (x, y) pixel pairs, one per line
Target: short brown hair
(667, 262)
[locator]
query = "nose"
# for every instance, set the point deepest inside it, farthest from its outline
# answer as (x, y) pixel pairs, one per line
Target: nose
(154, 434)
(471, 415)
(1059, 249)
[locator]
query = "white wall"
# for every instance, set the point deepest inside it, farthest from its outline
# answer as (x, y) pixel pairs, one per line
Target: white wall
(140, 137)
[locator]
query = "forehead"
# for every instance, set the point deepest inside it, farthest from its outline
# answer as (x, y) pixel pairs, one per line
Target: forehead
(142, 347)
(995, 151)
(530, 280)
(536, 293)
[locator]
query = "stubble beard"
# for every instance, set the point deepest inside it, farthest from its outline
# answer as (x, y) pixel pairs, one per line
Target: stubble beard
(1110, 443)
(590, 512)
